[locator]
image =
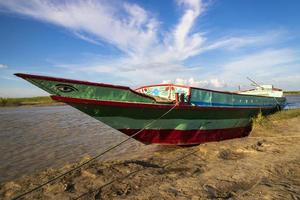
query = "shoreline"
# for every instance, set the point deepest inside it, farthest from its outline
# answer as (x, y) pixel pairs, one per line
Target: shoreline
(245, 168)
(30, 101)
(34, 105)
(287, 93)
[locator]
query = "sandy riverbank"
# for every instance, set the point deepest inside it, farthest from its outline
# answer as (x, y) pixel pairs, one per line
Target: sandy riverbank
(265, 165)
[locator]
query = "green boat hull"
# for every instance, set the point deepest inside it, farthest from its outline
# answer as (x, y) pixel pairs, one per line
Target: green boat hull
(204, 116)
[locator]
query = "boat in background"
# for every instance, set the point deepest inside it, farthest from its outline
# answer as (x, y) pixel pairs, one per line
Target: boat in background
(194, 115)
(264, 90)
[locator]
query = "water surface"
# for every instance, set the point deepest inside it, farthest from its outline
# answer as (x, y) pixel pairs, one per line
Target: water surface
(35, 138)
(293, 101)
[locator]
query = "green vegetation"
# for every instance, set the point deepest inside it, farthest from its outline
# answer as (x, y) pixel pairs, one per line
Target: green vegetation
(285, 114)
(291, 92)
(261, 120)
(26, 101)
(280, 124)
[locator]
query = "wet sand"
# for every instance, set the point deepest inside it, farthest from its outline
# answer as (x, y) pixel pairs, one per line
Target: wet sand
(265, 165)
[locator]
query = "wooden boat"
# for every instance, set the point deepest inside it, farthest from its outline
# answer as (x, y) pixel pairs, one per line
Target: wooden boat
(197, 115)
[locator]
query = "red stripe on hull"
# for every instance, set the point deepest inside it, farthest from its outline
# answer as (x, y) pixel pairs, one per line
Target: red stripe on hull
(187, 137)
(148, 105)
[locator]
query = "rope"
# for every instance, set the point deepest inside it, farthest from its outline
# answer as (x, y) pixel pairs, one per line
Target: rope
(134, 172)
(94, 158)
(277, 105)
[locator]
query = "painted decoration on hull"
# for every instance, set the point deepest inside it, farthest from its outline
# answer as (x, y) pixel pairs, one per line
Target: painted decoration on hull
(166, 91)
(86, 90)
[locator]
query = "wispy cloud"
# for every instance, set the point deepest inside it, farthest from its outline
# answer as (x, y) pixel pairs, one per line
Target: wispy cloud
(21, 92)
(262, 63)
(210, 83)
(150, 53)
(234, 42)
(266, 66)
(2, 66)
(129, 27)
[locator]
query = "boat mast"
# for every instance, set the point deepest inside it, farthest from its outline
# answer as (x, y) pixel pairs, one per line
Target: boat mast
(255, 83)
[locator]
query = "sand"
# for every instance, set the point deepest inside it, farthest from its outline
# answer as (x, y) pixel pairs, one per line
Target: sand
(265, 165)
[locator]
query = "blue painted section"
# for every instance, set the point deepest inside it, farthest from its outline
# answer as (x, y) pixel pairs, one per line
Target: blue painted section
(199, 103)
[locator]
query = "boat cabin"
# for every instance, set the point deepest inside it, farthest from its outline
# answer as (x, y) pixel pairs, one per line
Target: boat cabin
(264, 90)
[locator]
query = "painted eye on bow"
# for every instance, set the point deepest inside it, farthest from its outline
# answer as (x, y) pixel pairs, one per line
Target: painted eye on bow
(65, 88)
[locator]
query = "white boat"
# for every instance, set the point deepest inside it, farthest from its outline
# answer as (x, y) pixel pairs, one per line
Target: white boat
(264, 90)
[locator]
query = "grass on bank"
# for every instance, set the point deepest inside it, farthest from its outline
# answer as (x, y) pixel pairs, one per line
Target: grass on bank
(291, 92)
(285, 114)
(26, 101)
(267, 121)
(280, 124)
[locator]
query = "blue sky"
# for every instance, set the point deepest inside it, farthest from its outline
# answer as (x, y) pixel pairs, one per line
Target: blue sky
(213, 44)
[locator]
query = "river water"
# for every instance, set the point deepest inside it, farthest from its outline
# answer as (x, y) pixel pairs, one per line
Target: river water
(36, 138)
(292, 101)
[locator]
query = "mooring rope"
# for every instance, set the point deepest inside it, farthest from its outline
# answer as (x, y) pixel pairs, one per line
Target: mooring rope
(93, 158)
(134, 172)
(278, 107)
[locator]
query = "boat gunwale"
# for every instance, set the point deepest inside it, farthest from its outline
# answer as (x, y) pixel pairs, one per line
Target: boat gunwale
(49, 78)
(149, 105)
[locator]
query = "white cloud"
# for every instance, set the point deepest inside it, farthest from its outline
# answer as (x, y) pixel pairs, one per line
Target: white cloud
(217, 83)
(234, 42)
(150, 53)
(129, 27)
(271, 66)
(185, 43)
(266, 66)
(211, 83)
(2, 66)
(263, 59)
(262, 63)
(21, 92)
